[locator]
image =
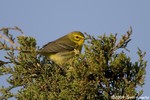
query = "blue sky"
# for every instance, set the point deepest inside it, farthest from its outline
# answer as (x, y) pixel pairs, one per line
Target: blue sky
(49, 19)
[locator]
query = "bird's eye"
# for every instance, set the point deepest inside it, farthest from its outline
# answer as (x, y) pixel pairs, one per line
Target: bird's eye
(77, 38)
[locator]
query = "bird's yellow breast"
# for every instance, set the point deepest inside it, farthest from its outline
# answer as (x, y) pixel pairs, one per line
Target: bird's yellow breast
(57, 59)
(62, 57)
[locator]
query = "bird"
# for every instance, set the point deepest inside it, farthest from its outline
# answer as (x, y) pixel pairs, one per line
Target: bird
(64, 48)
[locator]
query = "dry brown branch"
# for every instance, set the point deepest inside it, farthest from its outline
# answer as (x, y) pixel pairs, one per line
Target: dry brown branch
(8, 40)
(15, 28)
(6, 37)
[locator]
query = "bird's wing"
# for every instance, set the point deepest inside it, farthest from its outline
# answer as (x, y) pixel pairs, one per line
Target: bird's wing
(55, 46)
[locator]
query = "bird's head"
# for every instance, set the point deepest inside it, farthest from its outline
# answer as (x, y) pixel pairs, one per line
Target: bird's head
(77, 37)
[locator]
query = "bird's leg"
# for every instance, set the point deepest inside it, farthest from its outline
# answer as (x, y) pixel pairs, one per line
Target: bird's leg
(77, 52)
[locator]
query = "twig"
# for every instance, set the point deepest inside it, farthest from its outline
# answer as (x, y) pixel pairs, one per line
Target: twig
(15, 28)
(7, 37)
(2, 62)
(8, 40)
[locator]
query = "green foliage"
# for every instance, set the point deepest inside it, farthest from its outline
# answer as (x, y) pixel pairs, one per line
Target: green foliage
(104, 70)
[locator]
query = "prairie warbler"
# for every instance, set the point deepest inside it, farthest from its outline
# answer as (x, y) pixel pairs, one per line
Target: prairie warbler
(64, 48)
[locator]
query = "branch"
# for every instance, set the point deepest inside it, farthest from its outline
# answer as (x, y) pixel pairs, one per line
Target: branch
(8, 40)
(125, 40)
(8, 37)
(2, 62)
